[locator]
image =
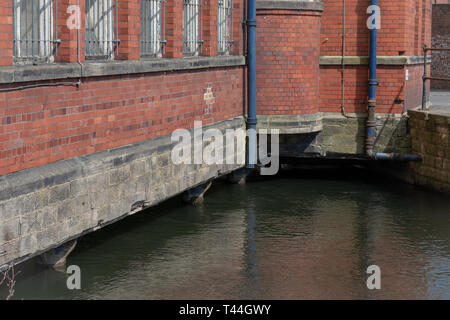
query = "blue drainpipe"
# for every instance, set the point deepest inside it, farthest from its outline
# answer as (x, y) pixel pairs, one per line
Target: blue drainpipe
(251, 74)
(372, 102)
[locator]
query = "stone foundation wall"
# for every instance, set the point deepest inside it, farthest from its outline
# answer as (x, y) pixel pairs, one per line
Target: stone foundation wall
(340, 134)
(46, 206)
(347, 135)
(431, 138)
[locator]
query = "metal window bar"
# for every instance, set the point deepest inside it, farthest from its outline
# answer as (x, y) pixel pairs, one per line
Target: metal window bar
(102, 29)
(192, 27)
(425, 73)
(153, 40)
(34, 30)
(225, 26)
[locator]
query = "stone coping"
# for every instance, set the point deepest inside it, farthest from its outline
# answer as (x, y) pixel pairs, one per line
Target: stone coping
(364, 60)
(61, 71)
(30, 180)
(289, 5)
(291, 124)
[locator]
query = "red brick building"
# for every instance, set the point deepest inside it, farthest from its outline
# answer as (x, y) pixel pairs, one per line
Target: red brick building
(81, 104)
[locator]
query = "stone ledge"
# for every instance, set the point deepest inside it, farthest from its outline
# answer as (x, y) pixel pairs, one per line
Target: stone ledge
(289, 5)
(59, 202)
(31, 180)
(291, 124)
(59, 71)
(364, 60)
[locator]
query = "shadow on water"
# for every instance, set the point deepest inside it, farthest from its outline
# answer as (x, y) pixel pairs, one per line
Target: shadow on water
(299, 235)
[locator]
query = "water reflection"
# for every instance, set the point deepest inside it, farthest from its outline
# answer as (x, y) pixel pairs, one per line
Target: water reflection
(278, 239)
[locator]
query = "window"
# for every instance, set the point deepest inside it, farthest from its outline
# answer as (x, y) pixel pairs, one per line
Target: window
(101, 39)
(33, 27)
(152, 27)
(225, 26)
(192, 27)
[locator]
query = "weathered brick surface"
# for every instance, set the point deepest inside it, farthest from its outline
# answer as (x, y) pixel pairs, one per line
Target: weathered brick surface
(441, 39)
(129, 15)
(395, 94)
(50, 205)
(47, 124)
(6, 36)
(431, 138)
(287, 57)
(405, 27)
(72, 40)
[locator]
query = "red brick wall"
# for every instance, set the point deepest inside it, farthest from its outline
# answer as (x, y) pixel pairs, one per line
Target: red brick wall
(390, 92)
(68, 49)
(402, 27)
(129, 29)
(441, 39)
(47, 124)
(405, 27)
(287, 62)
(414, 86)
(6, 36)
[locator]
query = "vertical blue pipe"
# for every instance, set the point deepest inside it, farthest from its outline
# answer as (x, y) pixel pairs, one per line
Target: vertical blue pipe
(373, 60)
(251, 74)
(372, 102)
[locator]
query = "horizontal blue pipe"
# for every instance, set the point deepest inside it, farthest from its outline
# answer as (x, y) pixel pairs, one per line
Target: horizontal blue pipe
(398, 156)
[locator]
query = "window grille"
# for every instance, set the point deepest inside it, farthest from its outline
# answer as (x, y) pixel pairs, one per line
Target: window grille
(192, 27)
(225, 26)
(101, 20)
(34, 31)
(152, 27)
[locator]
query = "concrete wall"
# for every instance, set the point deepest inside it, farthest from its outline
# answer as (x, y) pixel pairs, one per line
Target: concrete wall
(430, 135)
(44, 207)
(441, 39)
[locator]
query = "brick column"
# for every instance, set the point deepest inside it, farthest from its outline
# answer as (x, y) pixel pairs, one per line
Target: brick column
(238, 31)
(209, 47)
(174, 29)
(6, 33)
(129, 29)
(68, 49)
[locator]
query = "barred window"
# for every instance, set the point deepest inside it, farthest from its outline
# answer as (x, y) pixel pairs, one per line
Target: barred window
(101, 18)
(33, 30)
(152, 27)
(225, 26)
(192, 27)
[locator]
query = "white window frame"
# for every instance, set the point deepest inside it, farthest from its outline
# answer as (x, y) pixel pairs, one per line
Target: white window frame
(192, 27)
(100, 19)
(33, 32)
(152, 27)
(224, 26)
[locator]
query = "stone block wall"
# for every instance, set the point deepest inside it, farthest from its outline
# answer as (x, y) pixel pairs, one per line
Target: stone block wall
(430, 135)
(42, 208)
(347, 135)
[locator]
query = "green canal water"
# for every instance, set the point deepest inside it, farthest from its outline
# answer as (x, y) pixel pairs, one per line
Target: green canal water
(284, 238)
